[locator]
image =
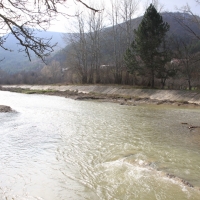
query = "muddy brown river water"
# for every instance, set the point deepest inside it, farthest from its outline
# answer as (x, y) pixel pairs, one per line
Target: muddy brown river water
(54, 148)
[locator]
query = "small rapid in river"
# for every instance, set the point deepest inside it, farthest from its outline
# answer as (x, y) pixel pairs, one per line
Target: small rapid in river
(54, 148)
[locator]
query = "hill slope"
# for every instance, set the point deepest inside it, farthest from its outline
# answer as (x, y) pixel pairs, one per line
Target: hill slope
(106, 37)
(17, 61)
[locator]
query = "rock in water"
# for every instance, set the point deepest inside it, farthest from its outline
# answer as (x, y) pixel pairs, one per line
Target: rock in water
(5, 108)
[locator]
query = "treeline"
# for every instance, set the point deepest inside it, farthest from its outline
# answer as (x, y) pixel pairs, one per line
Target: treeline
(99, 55)
(169, 59)
(48, 74)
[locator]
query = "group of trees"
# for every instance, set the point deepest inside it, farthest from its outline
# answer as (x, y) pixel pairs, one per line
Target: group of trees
(97, 52)
(147, 56)
(46, 74)
(22, 17)
(140, 53)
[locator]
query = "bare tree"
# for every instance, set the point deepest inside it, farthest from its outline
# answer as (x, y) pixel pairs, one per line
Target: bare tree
(188, 60)
(189, 19)
(128, 11)
(82, 49)
(21, 17)
(116, 42)
(85, 50)
(78, 49)
(52, 73)
(95, 25)
(121, 35)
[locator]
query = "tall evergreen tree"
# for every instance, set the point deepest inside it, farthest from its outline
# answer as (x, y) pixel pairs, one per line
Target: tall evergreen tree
(148, 39)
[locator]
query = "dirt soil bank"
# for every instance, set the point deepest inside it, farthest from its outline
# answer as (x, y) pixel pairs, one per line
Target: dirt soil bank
(117, 93)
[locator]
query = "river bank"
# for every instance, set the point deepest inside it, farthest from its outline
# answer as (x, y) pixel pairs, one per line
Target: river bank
(125, 95)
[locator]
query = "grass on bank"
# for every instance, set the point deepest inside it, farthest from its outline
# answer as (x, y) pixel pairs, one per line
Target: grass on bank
(29, 91)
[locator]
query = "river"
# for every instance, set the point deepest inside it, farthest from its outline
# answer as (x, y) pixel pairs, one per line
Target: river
(54, 148)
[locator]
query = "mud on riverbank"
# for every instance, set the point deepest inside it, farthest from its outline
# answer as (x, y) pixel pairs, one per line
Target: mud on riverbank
(122, 99)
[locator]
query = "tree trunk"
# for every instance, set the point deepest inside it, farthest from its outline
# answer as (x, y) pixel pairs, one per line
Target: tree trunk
(84, 79)
(152, 78)
(189, 84)
(163, 83)
(127, 79)
(98, 79)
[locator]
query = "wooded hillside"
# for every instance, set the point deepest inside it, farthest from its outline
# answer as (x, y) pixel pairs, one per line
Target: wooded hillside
(95, 54)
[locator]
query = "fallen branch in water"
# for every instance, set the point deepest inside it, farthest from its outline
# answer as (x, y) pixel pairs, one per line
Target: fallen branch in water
(190, 127)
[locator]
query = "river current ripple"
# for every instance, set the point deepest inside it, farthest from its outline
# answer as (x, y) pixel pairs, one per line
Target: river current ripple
(53, 148)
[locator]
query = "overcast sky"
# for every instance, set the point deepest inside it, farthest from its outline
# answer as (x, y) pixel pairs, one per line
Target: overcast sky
(63, 25)
(170, 5)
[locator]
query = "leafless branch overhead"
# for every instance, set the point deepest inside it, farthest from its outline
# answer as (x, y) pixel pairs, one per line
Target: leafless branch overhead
(22, 17)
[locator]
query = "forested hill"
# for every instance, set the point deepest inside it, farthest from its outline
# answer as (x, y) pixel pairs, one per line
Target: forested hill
(106, 37)
(16, 61)
(173, 19)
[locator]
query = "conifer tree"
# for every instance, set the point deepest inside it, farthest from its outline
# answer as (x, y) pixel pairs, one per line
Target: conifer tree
(148, 39)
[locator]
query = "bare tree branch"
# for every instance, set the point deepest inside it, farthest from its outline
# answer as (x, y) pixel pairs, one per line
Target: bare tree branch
(187, 27)
(87, 6)
(22, 18)
(189, 16)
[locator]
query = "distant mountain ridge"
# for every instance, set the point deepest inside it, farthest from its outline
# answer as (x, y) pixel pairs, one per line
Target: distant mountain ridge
(106, 37)
(15, 61)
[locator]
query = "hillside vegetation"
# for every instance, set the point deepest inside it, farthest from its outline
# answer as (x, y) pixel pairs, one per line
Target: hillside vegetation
(15, 61)
(97, 56)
